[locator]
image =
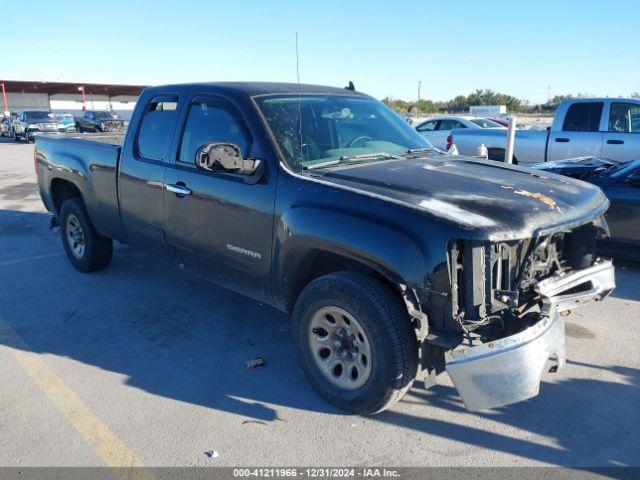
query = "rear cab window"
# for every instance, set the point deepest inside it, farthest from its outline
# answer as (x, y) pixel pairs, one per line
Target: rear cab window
(157, 126)
(583, 117)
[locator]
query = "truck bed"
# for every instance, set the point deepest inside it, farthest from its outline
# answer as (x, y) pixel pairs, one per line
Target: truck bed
(88, 161)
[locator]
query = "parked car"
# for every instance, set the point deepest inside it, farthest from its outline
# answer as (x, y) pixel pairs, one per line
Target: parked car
(325, 204)
(6, 129)
(437, 129)
(500, 121)
(620, 182)
(602, 127)
(30, 122)
(100, 121)
(67, 122)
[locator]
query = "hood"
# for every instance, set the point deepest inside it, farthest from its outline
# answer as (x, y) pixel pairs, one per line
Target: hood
(490, 200)
(581, 167)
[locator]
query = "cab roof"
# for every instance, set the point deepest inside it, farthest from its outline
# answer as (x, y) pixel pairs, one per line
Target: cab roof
(253, 89)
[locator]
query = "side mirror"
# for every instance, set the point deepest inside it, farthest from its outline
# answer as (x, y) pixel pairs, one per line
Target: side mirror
(225, 157)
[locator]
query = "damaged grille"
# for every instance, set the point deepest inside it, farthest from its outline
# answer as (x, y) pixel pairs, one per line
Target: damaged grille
(113, 126)
(488, 278)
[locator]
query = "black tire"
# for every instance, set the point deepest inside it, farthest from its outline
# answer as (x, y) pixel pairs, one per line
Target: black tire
(78, 128)
(383, 317)
(498, 154)
(97, 251)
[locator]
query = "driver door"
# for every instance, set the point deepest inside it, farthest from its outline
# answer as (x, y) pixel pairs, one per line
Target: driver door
(222, 224)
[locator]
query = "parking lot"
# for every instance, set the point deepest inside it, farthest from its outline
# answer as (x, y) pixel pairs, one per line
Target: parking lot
(142, 363)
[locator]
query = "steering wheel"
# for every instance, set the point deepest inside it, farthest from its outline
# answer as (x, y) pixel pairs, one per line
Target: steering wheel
(357, 139)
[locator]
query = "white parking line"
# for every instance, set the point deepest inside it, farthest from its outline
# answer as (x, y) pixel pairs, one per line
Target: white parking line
(15, 261)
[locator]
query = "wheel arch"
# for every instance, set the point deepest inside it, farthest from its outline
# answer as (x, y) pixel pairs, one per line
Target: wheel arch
(319, 262)
(62, 190)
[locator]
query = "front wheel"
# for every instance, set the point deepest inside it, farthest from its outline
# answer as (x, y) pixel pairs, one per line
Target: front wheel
(354, 341)
(86, 249)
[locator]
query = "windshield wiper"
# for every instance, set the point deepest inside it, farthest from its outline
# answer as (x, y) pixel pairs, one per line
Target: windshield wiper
(353, 159)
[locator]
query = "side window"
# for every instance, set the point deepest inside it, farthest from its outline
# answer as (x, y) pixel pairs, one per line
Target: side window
(156, 128)
(624, 118)
(583, 117)
(210, 121)
(458, 125)
(447, 124)
(427, 127)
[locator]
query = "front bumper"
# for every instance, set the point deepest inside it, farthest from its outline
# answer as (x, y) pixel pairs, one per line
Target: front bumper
(509, 370)
(37, 130)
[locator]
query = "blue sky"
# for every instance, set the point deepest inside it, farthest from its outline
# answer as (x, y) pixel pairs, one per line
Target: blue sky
(385, 47)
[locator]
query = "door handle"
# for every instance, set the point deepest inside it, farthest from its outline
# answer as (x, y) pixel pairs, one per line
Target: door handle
(615, 142)
(562, 140)
(180, 189)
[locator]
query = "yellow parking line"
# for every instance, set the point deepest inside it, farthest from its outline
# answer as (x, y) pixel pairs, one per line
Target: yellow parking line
(106, 444)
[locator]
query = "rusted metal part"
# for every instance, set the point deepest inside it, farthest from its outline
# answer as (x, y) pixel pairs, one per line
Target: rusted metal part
(540, 196)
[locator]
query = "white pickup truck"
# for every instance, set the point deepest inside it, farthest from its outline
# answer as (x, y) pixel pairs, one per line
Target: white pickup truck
(601, 127)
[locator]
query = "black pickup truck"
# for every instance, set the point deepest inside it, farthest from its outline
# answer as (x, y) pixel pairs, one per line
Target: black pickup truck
(100, 121)
(395, 261)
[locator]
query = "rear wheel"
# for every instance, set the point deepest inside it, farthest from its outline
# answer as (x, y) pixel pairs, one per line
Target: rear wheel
(86, 249)
(354, 342)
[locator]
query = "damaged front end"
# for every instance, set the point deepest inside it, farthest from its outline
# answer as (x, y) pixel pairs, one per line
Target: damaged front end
(506, 305)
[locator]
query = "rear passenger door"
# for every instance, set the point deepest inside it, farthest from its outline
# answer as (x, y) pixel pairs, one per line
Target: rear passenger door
(581, 134)
(622, 140)
(223, 226)
(142, 170)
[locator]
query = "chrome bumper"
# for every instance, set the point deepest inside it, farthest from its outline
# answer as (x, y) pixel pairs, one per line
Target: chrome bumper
(588, 285)
(509, 370)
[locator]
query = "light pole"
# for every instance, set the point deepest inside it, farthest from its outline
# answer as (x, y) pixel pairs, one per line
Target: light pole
(4, 99)
(418, 104)
(84, 98)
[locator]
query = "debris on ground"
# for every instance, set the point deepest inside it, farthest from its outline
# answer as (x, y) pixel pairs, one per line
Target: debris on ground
(255, 362)
(211, 454)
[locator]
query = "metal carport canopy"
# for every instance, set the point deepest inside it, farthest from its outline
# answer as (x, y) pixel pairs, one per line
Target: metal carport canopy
(53, 88)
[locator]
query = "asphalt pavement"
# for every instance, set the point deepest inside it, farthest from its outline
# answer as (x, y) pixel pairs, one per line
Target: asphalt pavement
(144, 364)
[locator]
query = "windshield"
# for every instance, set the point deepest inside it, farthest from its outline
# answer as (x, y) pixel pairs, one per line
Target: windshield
(486, 123)
(40, 116)
(64, 116)
(333, 127)
(621, 168)
(105, 115)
